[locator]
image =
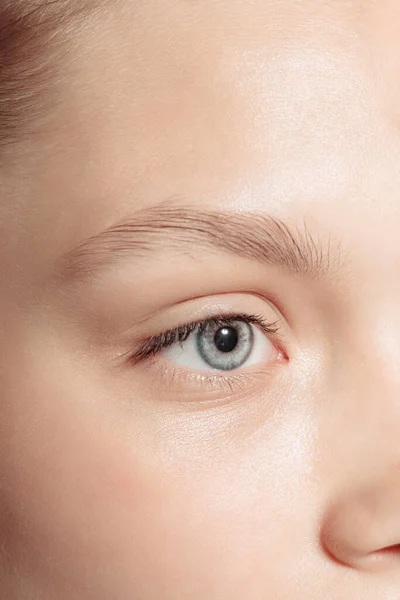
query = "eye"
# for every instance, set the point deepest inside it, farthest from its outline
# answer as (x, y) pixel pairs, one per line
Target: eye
(219, 346)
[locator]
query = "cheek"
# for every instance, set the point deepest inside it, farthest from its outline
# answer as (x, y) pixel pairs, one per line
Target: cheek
(75, 495)
(87, 508)
(70, 490)
(123, 501)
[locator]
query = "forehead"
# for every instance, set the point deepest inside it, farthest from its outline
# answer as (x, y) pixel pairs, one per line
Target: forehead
(285, 107)
(232, 83)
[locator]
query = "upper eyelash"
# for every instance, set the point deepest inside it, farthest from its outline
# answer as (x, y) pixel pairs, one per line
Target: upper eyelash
(151, 346)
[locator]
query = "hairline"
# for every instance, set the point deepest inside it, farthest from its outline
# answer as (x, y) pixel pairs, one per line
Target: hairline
(32, 39)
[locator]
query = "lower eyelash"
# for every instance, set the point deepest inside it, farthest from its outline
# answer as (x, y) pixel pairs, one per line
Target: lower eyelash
(153, 345)
(208, 391)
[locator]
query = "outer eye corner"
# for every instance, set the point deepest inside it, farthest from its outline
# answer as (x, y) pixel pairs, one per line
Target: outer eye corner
(283, 356)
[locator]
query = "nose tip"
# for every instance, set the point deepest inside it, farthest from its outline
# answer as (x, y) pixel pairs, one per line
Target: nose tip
(361, 530)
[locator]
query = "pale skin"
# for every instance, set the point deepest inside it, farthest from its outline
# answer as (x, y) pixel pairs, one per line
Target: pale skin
(163, 479)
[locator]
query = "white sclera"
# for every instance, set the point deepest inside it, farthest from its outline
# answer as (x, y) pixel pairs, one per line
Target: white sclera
(186, 354)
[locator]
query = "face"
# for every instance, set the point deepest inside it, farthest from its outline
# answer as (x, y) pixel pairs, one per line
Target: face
(200, 351)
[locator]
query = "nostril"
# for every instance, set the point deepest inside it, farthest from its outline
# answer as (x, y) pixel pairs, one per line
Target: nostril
(391, 550)
(385, 556)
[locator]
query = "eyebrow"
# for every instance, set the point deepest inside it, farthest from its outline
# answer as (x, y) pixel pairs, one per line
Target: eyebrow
(164, 230)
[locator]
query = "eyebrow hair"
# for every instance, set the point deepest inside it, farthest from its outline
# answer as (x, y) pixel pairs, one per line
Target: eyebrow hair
(253, 236)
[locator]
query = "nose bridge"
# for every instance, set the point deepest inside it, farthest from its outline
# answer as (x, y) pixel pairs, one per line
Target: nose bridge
(371, 373)
(360, 433)
(376, 397)
(368, 402)
(360, 421)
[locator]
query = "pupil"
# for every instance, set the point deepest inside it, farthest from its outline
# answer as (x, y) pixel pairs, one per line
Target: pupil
(226, 339)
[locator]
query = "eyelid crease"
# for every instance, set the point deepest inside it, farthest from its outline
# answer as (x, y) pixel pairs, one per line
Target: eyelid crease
(152, 345)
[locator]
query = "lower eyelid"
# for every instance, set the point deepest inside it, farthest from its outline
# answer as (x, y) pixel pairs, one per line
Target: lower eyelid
(172, 384)
(168, 381)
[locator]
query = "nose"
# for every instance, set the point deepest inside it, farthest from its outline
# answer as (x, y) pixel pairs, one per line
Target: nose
(360, 457)
(362, 527)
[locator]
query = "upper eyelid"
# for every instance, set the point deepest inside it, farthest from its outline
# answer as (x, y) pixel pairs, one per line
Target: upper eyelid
(227, 318)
